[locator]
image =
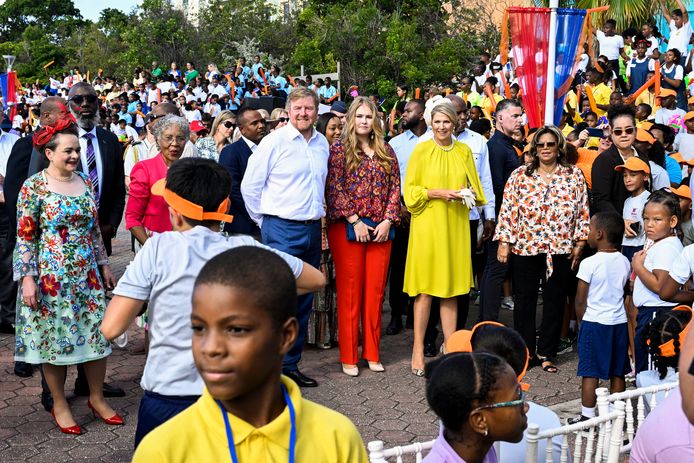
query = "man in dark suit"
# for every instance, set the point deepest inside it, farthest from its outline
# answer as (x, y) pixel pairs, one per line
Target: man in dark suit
(234, 158)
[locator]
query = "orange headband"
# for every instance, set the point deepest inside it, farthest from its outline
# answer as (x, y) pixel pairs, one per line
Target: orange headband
(668, 349)
(461, 341)
(189, 209)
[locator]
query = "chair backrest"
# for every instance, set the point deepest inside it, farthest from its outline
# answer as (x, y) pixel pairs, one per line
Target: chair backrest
(595, 432)
(379, 454)
(605, 399)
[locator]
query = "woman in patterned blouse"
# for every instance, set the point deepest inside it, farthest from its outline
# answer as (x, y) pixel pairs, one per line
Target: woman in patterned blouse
(220, 136)
(363, 196)
(544, 222)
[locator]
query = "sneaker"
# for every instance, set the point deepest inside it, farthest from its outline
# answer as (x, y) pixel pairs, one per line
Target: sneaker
(565, 346)
(507, 303)
(577, 419)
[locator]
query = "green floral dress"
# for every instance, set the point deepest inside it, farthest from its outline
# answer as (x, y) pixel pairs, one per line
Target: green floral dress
(59, 243)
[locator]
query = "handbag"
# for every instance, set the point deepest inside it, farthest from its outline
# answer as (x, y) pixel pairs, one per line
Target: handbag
(352, 236)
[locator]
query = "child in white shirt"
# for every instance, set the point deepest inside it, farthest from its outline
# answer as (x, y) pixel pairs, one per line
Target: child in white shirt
(636, 174)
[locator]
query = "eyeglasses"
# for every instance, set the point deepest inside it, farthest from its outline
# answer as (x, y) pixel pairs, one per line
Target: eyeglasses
(547, 144)
(229, 124)
(283, 119)
(170, 139)
(519, 402)
(628, 131)
(79, 99)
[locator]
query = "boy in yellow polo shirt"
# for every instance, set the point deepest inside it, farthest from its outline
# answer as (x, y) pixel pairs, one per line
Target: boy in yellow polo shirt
(244, 322)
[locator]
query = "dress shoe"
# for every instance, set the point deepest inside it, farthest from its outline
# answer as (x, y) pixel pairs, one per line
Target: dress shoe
(23, 370)
(82, 390)
(6, 328)
(430, 350)
(376, 366)
(395, 326)
(47, 401)
(350, 371)
(301, 379)
(115, 420)
(74, 430)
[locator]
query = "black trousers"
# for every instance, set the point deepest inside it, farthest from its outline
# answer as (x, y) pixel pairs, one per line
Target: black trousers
(400, 302)
(8, 287)
(527, 271)
(492, 284)
(463, 300)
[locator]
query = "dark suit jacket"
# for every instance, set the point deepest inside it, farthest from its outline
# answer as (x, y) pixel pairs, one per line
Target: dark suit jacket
(234, 158)
(609, 192)
(15, 176)
(112, 194)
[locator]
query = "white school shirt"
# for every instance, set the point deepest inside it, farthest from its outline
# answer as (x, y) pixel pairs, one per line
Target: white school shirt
(660, 256)
(97, 154)
(683, 267)
(286, 176)
(166, 279)
(7, 141)
(679, 38)
(633, 210)
(610, 46)
(545, 419)
(606, 274)
(684, 144)
(663, 115)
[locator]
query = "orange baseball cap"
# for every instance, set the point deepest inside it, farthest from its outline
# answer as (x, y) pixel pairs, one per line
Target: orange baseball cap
(644, 136)
(690, 100)
(665, 92)
(682, 191)
(634, 164)
(689, 115)
(678, 157)
(189, 209)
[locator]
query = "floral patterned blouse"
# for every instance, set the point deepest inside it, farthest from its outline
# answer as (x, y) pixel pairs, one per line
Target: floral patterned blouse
(367, 191)
(544, 218)
(207, 148)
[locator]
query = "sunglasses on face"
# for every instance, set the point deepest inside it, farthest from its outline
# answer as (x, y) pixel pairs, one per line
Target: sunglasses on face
(229, 124)
(628, 131)
(79, 99)
(548, 144)
(283, 119)
(519, 402)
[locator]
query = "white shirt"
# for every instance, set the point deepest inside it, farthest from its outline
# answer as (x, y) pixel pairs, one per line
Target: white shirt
(606, 274)
(610, 46)
(97, 154)
(633, 210)
(7, 141)
(403, 145)
(166, 280)
(660, 256)
(216, 90)
(193, 115)
(683, 267)
(663, 115)
(252, 146)
(286, 176)
(212, 109)
(545, 419)
(165, 86)
(143, 152)
(660, 177)
(635, 61)
(679, 38)
(684, 143)
(654, 45)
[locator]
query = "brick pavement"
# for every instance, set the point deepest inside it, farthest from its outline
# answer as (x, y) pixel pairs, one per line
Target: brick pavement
(388, 406)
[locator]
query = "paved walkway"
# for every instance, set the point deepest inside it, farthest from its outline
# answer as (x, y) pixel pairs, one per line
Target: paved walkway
(388, 406)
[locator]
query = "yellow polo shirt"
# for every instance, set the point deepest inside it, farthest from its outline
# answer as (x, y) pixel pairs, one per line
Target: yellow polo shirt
(601, 93)
(198, 435)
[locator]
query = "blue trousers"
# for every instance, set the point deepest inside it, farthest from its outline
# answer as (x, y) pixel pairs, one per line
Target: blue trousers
(644, 317)
(301, 240)
(156, 409)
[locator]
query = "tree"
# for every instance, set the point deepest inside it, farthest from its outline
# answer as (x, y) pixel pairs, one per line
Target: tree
(50, 15)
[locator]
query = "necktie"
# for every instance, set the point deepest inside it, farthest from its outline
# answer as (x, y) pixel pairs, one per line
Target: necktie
(91, 165)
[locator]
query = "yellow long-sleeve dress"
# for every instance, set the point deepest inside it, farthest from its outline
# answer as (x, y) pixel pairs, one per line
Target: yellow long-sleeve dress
(438, 255)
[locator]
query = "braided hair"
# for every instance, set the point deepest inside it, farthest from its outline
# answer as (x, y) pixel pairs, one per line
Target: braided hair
(457, 383)
(665, 327)
(671, 202)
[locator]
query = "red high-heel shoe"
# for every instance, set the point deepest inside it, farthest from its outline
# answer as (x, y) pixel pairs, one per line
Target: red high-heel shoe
(74, 430)
(115, 420)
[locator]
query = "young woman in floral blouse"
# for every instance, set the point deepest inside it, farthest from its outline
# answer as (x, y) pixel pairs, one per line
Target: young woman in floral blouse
(363, 194)
(544, 222)
(63, 271)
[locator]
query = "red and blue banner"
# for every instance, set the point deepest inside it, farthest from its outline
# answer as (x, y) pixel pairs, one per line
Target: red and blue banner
(8, 87)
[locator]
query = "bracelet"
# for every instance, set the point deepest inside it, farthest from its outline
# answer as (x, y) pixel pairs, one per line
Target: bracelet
(355, 222)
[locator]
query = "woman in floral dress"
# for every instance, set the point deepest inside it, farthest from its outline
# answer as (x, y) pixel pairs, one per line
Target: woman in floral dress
(61, 264)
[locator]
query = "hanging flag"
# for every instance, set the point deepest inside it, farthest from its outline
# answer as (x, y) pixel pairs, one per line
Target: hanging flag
(570, 26)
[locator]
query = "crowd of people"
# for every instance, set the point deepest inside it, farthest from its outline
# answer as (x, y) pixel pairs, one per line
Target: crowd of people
(446, 199)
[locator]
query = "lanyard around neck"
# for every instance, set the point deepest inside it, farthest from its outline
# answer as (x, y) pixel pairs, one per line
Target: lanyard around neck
(292, 433)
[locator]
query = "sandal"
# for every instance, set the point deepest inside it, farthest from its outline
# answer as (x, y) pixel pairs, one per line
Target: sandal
(548, 365)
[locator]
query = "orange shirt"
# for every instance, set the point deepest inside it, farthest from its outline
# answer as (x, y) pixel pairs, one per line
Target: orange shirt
(585, 161)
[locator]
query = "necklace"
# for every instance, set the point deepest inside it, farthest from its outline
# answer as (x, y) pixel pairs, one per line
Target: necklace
(445, 148)
(548, 174)
(61, 179)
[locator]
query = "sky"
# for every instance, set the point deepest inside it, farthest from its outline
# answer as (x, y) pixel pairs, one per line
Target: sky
(91, 9)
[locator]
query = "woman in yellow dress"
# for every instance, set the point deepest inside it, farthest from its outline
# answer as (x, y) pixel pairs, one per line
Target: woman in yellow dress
(439, 263)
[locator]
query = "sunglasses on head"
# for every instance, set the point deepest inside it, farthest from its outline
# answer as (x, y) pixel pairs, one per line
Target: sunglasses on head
(547, 144)
(229, 124)
(628, 131)
(79, 99)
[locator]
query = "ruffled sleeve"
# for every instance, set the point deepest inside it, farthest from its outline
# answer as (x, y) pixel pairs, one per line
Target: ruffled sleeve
(582, 222)
(337, 196)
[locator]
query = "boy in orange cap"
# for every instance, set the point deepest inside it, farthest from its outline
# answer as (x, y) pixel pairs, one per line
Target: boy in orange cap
(636, 174)
(684, 193)
(668, 106)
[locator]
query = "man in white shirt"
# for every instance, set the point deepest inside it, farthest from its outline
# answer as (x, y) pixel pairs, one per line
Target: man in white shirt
(284, 189)
(680, 29)
(215, 89)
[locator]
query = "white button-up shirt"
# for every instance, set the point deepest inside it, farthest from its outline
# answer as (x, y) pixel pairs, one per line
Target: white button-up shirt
(7, 141)
(403, 145)
(286, 176)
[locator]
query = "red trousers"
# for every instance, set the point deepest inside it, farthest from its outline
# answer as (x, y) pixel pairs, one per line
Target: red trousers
(361, 270)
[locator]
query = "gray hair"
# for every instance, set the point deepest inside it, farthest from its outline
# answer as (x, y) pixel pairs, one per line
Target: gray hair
(160, 125)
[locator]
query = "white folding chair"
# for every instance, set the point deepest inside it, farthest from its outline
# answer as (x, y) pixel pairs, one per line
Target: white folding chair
(595, 444)
(379, 454)
(605, 399)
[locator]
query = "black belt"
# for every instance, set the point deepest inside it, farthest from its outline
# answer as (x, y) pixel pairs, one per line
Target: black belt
(303, 222)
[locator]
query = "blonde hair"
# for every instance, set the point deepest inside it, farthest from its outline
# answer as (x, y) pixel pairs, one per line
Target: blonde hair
(446, 108)
(221, 117)
(376, 141)
(299, 93)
